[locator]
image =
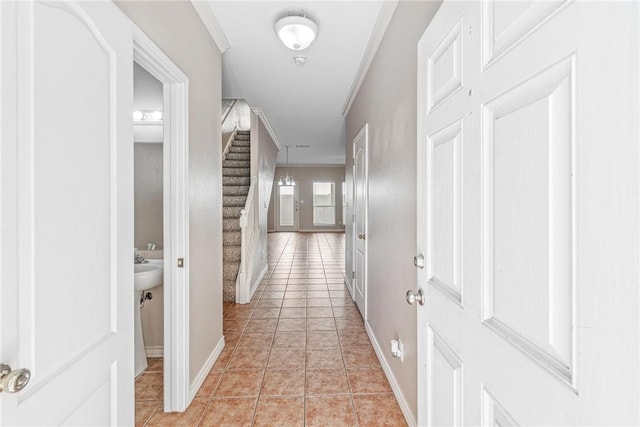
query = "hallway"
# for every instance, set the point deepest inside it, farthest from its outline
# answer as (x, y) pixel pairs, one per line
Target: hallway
(297, 355)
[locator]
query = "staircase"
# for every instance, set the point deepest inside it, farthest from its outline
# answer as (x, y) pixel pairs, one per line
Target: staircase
(236, 179)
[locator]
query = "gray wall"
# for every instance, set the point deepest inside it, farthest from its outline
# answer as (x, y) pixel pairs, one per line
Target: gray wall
(178, 31)
(387, 101)
(305, 176)
(148, 229)
(265, 167)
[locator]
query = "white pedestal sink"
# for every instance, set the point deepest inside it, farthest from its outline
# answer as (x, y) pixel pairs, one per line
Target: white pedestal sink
(146, 276)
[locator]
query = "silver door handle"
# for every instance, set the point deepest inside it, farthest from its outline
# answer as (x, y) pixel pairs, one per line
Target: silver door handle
(12, 381)
(418, 261)
(413, 297)
(362, 237)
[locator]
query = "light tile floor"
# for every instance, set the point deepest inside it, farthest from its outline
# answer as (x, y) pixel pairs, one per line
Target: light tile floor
(297, 355)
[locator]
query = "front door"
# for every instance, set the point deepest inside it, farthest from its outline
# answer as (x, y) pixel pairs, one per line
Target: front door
(66, 212)
(287, 208)
(360, 199)
(528, 214)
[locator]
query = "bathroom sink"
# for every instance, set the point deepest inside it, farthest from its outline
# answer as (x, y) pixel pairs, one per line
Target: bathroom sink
(148, 276)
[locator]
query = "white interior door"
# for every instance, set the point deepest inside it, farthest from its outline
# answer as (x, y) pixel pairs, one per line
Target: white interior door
(360, 198)
(287, 208)
(528, 214)
(67, 212)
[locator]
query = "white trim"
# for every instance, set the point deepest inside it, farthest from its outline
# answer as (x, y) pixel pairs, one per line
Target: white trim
(154, 351)
(211, 22)
(202, 375)
(395, 387)
(176, 214)
(256, 283)
(421, 226)
(227, 145)
(379, 29)
(263, 118)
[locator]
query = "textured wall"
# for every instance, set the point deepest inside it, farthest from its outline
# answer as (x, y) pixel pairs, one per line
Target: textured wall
(387, 100)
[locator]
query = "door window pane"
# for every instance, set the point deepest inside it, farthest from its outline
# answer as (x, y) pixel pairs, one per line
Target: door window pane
(287, 206)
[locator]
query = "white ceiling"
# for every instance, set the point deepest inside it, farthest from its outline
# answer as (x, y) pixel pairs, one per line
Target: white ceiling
(303, 103)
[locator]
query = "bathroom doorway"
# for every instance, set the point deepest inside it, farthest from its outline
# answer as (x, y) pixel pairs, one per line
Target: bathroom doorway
(162, 207)
(149, 242)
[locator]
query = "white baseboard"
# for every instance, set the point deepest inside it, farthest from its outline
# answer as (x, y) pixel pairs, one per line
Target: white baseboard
(202, 375)
(404, 406)
(154, 351)
(254, 285)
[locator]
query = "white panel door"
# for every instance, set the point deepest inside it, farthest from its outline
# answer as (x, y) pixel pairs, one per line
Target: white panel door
(528, 214)
(67, 212)
(287, 208)
(360, 203)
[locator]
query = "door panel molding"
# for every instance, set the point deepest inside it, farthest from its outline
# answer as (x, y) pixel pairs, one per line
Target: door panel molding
(544, 102)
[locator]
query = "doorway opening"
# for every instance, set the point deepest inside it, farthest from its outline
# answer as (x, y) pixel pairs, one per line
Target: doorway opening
(173, 155)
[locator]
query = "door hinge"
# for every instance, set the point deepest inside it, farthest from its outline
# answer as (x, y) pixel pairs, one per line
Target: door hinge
(180, 262)
(353, 274)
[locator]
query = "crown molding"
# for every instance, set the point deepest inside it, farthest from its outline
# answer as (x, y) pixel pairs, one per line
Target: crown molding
(209, 19)
(379, 29)
(263, 118)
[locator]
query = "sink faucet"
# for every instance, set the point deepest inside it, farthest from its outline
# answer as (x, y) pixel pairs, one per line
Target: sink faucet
(138, 259)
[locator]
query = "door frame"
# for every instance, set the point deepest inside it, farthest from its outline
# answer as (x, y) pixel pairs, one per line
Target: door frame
(176, 218)
(296, 214)
(363, 133)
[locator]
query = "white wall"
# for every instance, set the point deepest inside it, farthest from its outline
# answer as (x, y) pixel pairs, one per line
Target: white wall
(178, 31)
(387, 101)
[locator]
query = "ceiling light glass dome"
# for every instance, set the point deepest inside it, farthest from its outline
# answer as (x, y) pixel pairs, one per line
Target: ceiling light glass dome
(296, 32)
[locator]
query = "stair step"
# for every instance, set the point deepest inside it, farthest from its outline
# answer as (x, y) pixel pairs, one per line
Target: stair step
(231, 253)
(231, 224)
(231, 212)
(244, 181)
(230, 270)
(236, 164)
(246, 172)
(235, 190)
(242, 137)
(238, 156)
(234, 201)
(243, 131)
(234, 149)
(233, 238)
(241, 143)
(229, 290)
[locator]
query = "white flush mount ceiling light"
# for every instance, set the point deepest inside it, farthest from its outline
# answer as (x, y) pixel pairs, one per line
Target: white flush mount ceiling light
(296, 32)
